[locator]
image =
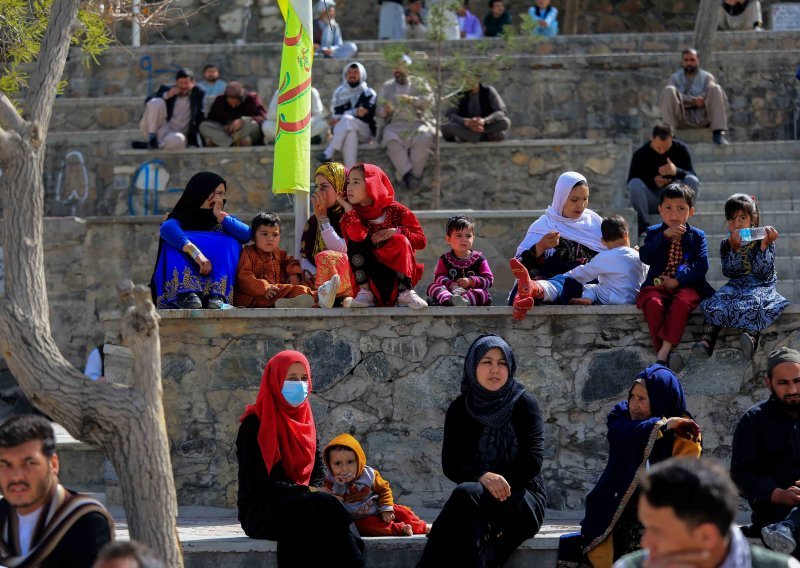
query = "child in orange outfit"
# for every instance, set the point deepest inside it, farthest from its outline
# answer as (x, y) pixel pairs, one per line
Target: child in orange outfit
(364, 493)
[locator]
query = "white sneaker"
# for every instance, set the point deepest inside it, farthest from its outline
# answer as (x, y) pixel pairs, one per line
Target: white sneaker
(304, 301)
(364, 299)
(326, 294)
(410, 299)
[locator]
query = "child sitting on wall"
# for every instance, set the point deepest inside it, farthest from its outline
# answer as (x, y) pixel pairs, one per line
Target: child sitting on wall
(364, 493)
(268, 277)
(676, 281)
(462, 276)
(382, 236)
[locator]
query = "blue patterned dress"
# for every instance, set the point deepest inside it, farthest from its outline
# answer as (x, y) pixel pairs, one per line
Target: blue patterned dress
(749, 301)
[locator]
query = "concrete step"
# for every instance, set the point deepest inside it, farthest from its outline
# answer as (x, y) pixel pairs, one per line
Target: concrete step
(212, 537)
(737, 151)
(764, 191)
(101, 113)
(748, 170)
(766, 206)
(81, 465)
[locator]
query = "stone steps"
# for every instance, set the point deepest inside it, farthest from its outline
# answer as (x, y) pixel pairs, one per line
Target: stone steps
(594, 95)
(100, 113)
(764, 170)
(745, 150)
(90, 173)
(764, 191)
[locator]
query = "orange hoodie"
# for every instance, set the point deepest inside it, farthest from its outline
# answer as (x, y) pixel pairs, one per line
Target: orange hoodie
(367, 494)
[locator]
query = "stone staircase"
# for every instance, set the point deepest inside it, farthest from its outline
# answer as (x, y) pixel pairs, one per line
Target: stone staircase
(766, 169)
(576, 102)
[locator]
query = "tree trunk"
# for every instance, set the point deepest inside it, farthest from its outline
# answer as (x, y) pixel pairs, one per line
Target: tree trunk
(126, 423)
(571, 13)
(705, 29)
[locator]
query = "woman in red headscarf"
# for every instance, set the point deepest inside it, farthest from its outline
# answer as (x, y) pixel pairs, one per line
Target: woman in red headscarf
(280, 469)
(382, 236)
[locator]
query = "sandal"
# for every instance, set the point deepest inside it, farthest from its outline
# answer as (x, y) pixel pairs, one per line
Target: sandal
(749, 342)
(705, 346)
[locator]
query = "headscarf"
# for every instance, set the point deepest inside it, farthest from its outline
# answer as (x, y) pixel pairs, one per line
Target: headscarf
(285, 433)
(187, 210)
(344, 93)
(491, 409)
(336, 174)
(584, 230)
(664, 391)
(379, 189)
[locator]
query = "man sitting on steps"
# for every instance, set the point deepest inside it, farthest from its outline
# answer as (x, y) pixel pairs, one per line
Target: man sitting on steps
(234, 119)
(172, 115)
(693, 99)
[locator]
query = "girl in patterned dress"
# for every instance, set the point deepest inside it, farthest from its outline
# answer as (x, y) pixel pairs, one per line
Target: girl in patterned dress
(749, 301)
(462, 276)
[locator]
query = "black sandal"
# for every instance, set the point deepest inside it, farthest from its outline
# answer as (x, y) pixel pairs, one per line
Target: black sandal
(749, 342)
(710, 333)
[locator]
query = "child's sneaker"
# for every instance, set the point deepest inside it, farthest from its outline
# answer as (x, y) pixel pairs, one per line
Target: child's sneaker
(302, 301)
(326, 293)
(364, 299)
(458, 301)
(410, 299)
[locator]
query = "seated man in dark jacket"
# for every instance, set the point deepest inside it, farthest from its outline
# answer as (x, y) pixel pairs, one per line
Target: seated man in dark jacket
(654, 165)
(479, 116)
(41, 523)
(172, 115)
(234, 119)
(765, 462)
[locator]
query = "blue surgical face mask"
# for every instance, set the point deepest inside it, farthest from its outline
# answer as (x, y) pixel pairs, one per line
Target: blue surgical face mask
(295, 392)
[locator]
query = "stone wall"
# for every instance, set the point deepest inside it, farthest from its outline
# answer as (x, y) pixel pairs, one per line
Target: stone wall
(260, 20)
(388, 375)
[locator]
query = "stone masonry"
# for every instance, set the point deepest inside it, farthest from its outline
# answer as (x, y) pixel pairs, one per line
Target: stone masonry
(387, 376)
(260, 20)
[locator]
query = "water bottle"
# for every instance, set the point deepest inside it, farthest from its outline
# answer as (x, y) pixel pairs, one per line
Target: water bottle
(752, 234)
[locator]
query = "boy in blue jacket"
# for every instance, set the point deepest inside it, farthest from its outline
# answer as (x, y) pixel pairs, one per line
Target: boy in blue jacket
(676, 281)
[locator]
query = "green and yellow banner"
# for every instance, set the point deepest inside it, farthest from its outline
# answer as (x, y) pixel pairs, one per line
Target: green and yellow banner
(293, 137)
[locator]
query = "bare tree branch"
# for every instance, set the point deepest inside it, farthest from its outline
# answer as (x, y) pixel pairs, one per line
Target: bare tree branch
(7, 142)
(51, 61)
(9, 117)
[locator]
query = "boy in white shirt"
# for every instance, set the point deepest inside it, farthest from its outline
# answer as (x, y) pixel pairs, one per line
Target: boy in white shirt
(618, 271)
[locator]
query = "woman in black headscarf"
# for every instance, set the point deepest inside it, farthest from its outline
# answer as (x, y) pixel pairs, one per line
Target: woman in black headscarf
(493, 449)
(199, 249)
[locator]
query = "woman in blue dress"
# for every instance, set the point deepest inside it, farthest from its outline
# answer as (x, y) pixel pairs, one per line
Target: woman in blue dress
(199, 249)
(749, 301)
(652, 425)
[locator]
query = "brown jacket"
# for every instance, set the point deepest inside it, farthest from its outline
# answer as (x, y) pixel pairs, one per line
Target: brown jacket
(259, 270)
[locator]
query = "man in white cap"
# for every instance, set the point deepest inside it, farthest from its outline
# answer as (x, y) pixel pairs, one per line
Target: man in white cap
(353, 121)
(405, 105)
(765, 462)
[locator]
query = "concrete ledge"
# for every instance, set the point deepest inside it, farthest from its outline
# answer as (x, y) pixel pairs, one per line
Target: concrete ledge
(388, 375)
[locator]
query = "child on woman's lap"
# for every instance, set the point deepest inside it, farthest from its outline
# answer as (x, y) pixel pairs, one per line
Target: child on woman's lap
(462, 276)
(382, 236)
(364, 493)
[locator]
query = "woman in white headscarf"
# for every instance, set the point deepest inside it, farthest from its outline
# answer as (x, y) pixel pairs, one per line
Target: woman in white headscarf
(566, 236)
